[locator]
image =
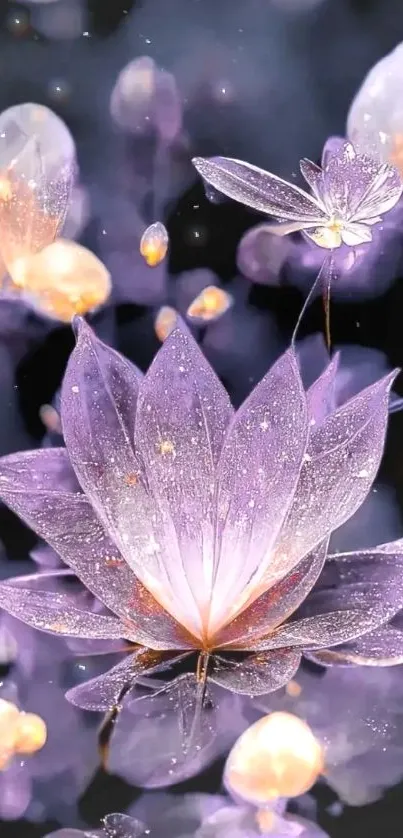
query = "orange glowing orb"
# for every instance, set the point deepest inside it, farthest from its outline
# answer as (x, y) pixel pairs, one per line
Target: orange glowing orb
(210, 304)
(154, 244)
(63, 279)
(278, 756)
(165, 322)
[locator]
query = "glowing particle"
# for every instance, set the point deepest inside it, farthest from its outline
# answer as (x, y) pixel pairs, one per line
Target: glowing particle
(293, 689)
(9, 716)
(6, 189)
(165, 322)
(210, 304)
(154, 244)
(31, 733)
(64, 279)
(278, 756)
(50, 418)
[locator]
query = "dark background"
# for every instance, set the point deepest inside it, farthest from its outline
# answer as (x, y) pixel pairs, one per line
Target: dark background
(294, 74)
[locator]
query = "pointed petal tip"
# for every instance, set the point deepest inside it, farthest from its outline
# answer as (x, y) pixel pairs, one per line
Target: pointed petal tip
(77, 324)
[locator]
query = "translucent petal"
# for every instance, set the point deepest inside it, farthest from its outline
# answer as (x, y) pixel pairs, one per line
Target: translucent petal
(275, 605)
(122, 826)
(381, 195)
(357, 187)
(256, 479)
(256, 674)
(33, 205)
(55, 613)
(182, 415)
(355, 234)
(313, 175)
(381, 647)
(166, 736)
(340, 465)
(67, 521)
(259, 189)
(337, 615)
(103, 692)
(321, 396)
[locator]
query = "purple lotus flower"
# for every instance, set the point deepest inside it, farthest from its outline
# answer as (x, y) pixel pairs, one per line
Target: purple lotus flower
(350, 193)
(200, 530)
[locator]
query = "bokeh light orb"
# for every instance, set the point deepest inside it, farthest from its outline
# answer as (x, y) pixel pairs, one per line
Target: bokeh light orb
(31, 733)
(375, 119)
(63, 279)
(278, 756)
(145, 97)
(19, 123)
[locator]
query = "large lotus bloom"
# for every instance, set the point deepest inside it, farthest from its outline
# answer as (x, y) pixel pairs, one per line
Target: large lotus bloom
(199, 529)
(350, 193)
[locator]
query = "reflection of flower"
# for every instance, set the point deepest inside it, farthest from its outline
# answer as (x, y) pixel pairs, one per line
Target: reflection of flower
(350, 194)
(201, 529)
(216, 816)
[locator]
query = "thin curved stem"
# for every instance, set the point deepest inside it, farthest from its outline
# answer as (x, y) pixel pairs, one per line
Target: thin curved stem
(323, 280)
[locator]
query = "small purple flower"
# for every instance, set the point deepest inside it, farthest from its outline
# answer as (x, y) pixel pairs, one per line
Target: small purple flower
(200, 529)
(350, 193)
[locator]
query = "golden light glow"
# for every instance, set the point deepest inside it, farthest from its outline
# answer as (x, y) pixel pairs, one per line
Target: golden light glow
(293, 689)
(154, 244)
(396, 154)
(20, 733)
(9, 715)
(25, 227)
(50, 418)
(328, 236)
(265, 820)
(31, 733)
(278, 756)
(64, 279)
(6, 189)
(165, 322)
(210, 304)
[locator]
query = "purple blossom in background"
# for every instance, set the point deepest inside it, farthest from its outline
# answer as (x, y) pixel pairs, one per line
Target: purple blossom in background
(199, 529)
(356, 712)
